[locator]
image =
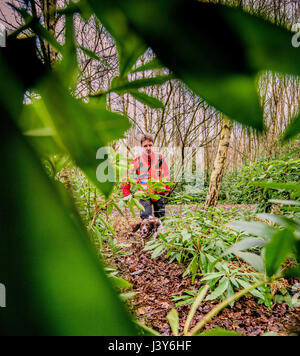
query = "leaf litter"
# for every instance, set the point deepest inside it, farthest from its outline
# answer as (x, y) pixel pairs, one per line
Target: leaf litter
(156, 281)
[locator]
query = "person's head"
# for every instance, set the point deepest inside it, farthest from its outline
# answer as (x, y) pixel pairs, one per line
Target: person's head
(147, 143)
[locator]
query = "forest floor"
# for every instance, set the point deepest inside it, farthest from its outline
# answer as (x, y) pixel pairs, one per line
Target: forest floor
(156, 281)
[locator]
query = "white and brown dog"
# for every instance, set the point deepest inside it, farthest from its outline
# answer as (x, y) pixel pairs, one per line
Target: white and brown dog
(148, 228)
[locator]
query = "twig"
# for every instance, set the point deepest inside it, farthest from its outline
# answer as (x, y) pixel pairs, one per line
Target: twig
(218, 308)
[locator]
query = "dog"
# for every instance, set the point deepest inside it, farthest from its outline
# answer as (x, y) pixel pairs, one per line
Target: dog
(148, 228)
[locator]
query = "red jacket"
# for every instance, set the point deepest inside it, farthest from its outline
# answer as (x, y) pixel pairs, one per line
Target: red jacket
(148, 167)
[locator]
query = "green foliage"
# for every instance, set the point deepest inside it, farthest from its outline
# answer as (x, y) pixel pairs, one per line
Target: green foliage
(251, 44)
(278, 249)
(245, 187)
(281, 240)
(154, 64)
(278, 245)
(153, 103)
(208, 249)
(57, 285)
(293, 129)
(241, 186)
(196, 237)
(61, 281)
(197, 240)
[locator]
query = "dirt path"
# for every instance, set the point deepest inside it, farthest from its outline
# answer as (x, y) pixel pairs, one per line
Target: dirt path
(155, 281)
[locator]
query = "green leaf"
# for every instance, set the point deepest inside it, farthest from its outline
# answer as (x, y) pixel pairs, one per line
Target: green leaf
(278, 186)
(42, 137)
(280, 220)
(186, 236)
(245, 244)
(192, 267)
(254, 292)
(116, 206)
(57, 286)
(107, 225)
(181, 33)
(131, 208)
(154, 64)
(80, 7)
(220, 332)
(293, 129)
(254, 260)
(130, 47)
(254, 228)
(277, 250)
(38, 29)
(158, 251)
(120, 282)
(61, 162)
(262, 40)
(110, 208)
(147, 331)
(173, 319)
(219, 291)
(83, 129)
(140, 83)
(150, 101)
(285, 202)
(292, 272)
(211, 276)
(139, 195)
(89, 53)
(138, 204)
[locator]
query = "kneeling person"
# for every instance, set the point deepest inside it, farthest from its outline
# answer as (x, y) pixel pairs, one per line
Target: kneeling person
(150, 166)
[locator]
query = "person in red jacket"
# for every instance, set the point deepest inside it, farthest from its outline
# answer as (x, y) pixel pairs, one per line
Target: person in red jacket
(150, 166)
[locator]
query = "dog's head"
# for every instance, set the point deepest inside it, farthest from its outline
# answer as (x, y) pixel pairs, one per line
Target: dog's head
(147, 227)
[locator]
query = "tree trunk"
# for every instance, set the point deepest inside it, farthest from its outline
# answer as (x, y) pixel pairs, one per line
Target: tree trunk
(49, 11)
(219, 165)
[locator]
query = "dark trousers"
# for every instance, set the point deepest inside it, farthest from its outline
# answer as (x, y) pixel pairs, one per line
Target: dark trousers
(159, 208)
